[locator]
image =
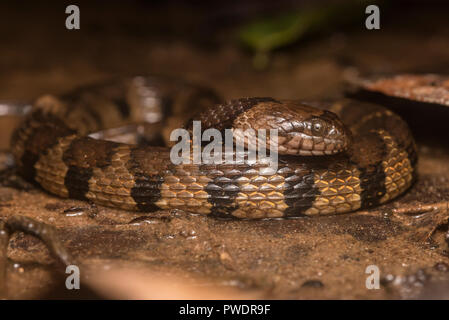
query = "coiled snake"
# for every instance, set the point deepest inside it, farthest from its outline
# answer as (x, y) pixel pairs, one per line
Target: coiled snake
(347, 157)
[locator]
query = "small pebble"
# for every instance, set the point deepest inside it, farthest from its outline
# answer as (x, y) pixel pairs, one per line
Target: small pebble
(312, 284)
(389, 278)
(442, 267)
(74, 211)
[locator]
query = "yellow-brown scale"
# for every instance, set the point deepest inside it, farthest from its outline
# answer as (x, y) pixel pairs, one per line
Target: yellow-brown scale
(339, 192)
(184, 189)
(51, 169)
(397, 167)
(260, 196)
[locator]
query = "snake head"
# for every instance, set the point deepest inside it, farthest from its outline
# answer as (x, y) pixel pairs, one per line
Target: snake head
(302, 129)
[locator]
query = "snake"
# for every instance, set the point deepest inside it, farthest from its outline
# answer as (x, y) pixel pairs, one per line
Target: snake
(333, 157)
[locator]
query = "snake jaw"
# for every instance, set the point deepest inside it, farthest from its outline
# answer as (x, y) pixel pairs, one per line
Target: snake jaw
(304, 145)
(316, 137)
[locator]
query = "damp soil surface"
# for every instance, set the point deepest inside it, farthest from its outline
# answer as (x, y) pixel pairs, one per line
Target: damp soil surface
(174, 254)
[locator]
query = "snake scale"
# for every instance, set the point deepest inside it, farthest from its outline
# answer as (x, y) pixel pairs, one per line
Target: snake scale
(349, 156)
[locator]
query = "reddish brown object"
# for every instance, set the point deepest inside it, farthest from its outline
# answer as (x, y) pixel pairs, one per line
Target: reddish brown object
(430, 88)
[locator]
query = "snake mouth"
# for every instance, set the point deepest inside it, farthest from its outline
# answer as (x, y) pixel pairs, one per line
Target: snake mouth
(305, 145)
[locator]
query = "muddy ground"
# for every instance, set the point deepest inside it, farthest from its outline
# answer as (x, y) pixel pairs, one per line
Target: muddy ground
(172, 254)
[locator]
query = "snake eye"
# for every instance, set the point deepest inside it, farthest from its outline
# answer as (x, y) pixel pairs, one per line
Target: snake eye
(318, 127)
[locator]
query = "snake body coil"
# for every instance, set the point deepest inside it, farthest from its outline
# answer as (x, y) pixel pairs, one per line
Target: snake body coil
(324, 171)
